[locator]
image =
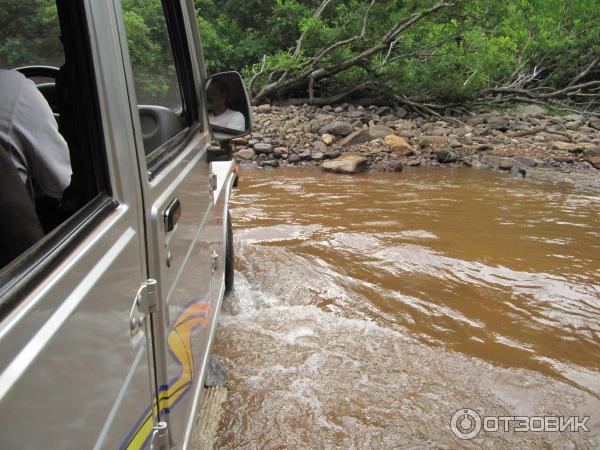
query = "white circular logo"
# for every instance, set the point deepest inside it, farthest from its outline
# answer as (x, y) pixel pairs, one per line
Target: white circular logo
(465, 424)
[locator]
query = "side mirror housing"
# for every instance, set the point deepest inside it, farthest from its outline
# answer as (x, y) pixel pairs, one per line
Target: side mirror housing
(227, 106)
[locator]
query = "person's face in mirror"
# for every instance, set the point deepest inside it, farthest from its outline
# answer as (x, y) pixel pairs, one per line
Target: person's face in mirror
(216, 97)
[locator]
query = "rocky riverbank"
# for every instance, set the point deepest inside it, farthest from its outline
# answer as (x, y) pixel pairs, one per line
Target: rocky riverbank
(349, 139)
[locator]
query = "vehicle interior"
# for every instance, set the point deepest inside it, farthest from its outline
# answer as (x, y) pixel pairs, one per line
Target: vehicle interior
(53, 54)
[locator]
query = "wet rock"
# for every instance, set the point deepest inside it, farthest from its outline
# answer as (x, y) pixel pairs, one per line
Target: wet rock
(294, 158)
(346, 164)
(263, 148)
(337, 128)
(505, 164)
(394, 165)
(246, 154)
(445, 156)
(398, 144)
(327, 139)
(268, 163)
(518, 170)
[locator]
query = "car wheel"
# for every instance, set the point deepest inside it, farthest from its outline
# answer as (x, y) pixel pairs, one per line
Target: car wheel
(229, 257)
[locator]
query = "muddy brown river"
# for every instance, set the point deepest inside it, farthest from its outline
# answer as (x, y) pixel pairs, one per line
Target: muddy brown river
(369, 309)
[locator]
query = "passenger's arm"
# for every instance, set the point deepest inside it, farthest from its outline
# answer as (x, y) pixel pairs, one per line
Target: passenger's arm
(46, 150)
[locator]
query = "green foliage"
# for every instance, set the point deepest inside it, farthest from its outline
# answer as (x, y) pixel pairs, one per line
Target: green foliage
(450, 56)
(29, 33)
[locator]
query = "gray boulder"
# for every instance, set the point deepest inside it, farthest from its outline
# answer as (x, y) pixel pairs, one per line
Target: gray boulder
(263, 148)
(337, 128)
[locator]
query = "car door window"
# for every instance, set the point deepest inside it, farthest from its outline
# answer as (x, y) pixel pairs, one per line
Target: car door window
(157, 85)
(48, 141)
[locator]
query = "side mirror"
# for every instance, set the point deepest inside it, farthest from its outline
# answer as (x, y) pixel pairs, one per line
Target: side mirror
(227, 106)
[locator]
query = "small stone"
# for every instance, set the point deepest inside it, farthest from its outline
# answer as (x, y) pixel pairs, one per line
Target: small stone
(338, 128)
(432, 141)
(320, 146)
(454, 143)
(266, 108)
(398, 144)
(294, 158)
(318, 156)
(263, 148)
(338, 110)
(327, 139)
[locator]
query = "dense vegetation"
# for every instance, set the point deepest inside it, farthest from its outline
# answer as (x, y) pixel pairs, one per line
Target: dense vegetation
(410, 51)
(459, 53)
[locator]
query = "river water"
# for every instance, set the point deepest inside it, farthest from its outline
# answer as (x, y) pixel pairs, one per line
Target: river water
(368, 309)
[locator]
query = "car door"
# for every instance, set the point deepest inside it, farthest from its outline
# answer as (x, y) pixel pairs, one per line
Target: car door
(73, 374)
(177, 194)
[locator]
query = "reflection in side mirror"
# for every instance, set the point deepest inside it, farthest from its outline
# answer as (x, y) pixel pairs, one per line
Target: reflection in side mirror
(227, 106)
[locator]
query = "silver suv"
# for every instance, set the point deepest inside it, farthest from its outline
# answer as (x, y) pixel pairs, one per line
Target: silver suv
(109, 292)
